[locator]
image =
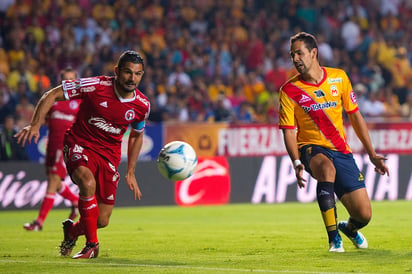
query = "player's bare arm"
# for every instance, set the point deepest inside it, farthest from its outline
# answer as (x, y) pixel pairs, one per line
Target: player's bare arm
(289, 136)
(361, 130)
(134, 145)
(42, 108)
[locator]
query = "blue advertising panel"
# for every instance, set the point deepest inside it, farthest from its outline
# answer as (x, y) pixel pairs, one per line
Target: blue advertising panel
(37, 152)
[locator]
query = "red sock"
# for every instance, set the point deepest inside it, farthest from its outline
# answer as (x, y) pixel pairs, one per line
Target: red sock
(89, 212)
(45, 207)
(66, 193)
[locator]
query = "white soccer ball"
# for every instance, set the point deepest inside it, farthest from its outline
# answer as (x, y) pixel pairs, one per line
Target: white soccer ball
(177, 161)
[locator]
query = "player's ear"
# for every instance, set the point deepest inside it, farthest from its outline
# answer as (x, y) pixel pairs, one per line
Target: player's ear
(116, 70)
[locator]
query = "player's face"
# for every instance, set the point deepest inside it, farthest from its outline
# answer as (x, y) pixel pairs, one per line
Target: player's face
(129, 76)
(69, 75)
(302, 58)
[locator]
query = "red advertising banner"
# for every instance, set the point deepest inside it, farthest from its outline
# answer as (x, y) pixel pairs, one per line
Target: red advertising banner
(209, 185)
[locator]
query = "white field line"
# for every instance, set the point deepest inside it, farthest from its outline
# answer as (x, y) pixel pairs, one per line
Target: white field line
(158, 266)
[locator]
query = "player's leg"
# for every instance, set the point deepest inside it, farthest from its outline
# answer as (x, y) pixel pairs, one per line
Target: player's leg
(358, 205)
(59, 168)
(105, 211)
(68, 194)
(324, 172)
(350, 188)
(53, 183)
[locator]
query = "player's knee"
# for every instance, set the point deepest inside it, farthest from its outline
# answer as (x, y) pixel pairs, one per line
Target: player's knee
(360, 222)
(102, 223)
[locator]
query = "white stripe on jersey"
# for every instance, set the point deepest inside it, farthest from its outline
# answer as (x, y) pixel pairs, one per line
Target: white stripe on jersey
(84, 82)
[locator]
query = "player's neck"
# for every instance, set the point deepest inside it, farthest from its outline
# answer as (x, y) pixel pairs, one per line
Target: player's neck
(315, 76)
(122, 93)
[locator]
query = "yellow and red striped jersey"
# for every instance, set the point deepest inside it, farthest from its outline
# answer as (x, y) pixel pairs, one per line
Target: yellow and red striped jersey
(316, 109)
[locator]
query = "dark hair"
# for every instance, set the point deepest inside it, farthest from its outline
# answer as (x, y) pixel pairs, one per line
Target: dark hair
(68, 69)
(130, 56)
(308, 39)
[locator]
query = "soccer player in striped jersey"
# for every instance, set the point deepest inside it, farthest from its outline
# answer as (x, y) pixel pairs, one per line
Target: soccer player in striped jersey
(60, 117)
(92, 146)
(311, 118)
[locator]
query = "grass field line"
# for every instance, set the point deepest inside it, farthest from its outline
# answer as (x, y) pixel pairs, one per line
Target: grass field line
(188, 267)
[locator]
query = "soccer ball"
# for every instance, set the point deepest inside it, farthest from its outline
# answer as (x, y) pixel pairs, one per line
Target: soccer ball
(177, 161)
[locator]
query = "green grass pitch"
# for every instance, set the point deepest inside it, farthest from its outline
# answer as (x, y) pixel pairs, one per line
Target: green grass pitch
(236, 238)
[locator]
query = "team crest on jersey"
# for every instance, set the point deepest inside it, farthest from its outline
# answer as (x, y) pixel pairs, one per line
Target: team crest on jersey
(73, 104)
(76, 157)
(319, 93)
(334, 90)
(130, 115)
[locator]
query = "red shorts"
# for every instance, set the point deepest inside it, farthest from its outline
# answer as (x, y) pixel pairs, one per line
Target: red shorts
(55, 163)
(105, 173)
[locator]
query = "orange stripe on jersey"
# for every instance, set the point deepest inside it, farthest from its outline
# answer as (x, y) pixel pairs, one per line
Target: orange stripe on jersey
(320, 118)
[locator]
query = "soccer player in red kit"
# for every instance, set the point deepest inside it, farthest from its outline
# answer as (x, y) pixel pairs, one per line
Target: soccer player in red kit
(60, 117)
(92, 146)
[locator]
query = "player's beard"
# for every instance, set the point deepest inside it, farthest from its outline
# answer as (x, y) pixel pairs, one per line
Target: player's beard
(128, 87)
(301, 67)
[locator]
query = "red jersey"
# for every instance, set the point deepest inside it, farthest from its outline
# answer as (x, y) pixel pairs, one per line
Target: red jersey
(60, 117)
(104, 116)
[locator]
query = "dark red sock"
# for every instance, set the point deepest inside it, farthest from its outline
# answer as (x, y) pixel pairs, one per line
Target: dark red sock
(45, 207)
(66, 193)
(89, 212)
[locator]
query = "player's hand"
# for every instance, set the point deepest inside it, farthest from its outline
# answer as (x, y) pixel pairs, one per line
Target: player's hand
(26, 134)
(132, 184)
(299, 175)
(379, 162)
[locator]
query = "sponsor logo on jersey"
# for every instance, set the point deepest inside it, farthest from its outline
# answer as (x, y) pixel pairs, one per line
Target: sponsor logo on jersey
(115, 177)
(112, 167)
(106, 83)
(316, 107)
(88, 89)
(334, 80)
(334, 90)
(102, 124)
(62, 116)
(129, 115)
(78, 149)
(304, 99)
(103, 104)
(143, 100)
(319, 93)
(74, 93)
(353, 97)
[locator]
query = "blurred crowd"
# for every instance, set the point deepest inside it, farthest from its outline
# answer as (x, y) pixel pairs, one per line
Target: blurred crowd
(207, 60)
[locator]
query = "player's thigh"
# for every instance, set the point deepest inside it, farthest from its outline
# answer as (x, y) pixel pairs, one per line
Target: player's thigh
(322, 168)
(357, 204)
(105, 211)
